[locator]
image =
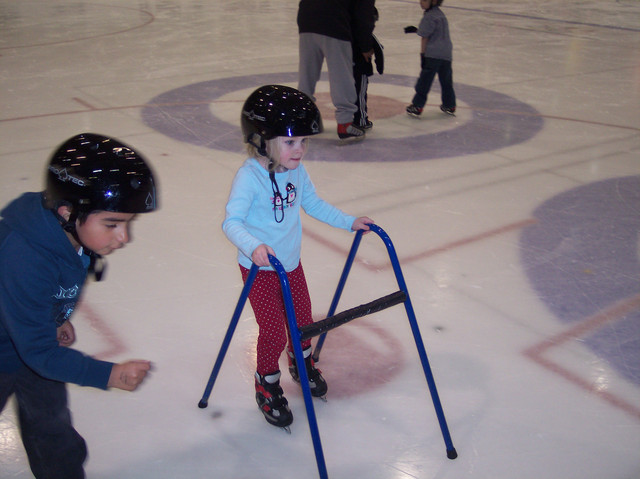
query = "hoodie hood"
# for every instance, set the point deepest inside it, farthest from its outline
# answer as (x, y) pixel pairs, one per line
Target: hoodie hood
(27, 217)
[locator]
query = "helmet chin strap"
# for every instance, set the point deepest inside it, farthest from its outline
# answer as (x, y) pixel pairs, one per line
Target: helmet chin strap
(69, 225)
(262, 151)
(97, 265)
(262, 147)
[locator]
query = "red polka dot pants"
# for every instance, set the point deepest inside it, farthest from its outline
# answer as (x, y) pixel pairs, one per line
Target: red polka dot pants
(268, 306)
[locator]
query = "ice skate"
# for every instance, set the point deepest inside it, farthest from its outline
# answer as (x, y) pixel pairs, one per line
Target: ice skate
(365, 124)
(271, 401)
(414, 111)
(348, 132)
(368, 124)
(448, 110)
(317, 384)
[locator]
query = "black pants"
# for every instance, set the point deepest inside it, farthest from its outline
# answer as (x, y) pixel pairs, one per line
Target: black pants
(54, 448)
(431, 67)
(362, 70)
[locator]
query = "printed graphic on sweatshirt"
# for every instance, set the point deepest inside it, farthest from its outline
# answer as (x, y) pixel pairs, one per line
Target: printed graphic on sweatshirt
(280, 203)
(65, 304)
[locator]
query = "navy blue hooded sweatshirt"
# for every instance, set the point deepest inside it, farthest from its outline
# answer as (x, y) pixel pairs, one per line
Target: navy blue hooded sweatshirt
(41, 278)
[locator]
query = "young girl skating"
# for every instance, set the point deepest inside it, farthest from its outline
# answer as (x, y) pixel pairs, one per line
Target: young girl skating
(263, 218)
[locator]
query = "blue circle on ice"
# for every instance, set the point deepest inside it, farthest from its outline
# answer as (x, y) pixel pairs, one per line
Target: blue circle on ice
(582, 257)
(497, 121)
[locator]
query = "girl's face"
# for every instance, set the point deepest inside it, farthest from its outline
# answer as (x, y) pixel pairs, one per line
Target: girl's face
(291, 150)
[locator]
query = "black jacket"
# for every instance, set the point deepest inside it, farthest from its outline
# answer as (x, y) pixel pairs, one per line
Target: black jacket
(349, 20)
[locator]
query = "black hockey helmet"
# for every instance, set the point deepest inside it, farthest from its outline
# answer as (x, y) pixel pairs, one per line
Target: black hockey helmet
(278, 110)
(93, 172)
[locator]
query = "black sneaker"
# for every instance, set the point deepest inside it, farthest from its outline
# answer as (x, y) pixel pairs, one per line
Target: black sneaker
(414, 111)
(317, 384)
(368, 124)
(448, 110)
(271, 401)
(349, 132)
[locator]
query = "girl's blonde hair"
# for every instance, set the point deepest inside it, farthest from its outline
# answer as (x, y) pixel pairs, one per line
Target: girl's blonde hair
(273, 152)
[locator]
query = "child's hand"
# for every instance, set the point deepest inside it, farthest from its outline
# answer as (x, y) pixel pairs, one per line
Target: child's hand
(129, 375)
(362, 223)
(66, 334)
(260, 255)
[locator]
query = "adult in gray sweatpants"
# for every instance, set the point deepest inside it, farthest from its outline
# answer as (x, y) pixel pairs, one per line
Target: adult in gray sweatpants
(325, 28)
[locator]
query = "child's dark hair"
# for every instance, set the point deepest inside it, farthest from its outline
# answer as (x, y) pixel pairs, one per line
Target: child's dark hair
(55, 205)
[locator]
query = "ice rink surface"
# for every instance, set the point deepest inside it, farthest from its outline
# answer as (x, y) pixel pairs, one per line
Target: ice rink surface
(516, 223)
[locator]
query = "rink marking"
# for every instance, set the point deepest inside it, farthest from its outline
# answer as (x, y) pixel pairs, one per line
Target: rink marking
(86, 104)
(613, 313)
(484, 130)
(472, 239)
(429, 252)
(114, 345)
(546, 19)
(500, 111)
(151, 18)
(556, 117)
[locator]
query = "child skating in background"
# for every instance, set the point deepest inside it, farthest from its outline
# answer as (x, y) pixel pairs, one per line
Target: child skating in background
(48, 242)
(263, 218)
(435, 58)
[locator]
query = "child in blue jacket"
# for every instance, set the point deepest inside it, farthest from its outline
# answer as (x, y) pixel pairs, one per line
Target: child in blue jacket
(48, 242)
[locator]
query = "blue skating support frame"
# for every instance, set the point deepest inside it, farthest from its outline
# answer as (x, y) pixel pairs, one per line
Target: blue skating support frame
(321, 327)
(451, 451)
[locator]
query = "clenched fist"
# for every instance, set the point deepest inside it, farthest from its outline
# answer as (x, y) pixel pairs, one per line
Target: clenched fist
(128, 375)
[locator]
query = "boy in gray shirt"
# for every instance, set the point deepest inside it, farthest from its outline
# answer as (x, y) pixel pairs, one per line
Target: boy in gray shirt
(435, 58)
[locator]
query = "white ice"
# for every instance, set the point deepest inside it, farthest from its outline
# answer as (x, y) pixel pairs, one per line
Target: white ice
(69, 66)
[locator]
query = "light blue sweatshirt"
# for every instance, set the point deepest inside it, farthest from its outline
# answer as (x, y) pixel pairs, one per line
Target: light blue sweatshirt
(251, 218)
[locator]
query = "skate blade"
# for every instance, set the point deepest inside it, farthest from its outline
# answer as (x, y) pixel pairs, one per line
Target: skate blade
(350, 139)
(286, 428)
